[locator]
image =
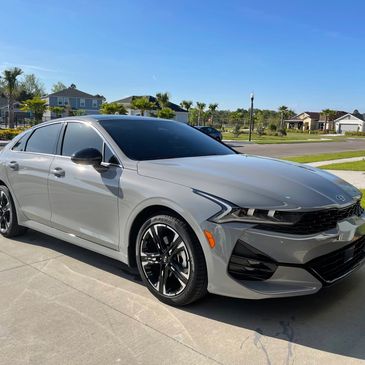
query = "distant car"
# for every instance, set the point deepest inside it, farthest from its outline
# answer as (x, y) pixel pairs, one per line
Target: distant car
(212, 132)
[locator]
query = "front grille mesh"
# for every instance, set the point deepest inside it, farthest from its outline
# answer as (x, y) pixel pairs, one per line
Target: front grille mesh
(318, 221)
(337, 264)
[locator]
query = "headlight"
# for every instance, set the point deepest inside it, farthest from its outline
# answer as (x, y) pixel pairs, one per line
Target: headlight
(231, 213)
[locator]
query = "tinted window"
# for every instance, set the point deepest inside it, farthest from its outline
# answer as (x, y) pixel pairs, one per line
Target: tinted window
(44, 139)
(79, 136)
(20, 144)
(159, 139)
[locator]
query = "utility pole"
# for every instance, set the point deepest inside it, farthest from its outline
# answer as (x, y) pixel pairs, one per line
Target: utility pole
(251, 117)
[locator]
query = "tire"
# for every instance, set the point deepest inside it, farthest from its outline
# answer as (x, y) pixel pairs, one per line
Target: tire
(168, 252)
(9, 226)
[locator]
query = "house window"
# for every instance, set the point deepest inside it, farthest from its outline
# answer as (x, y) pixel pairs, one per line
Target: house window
(60, 101)
(95, 103)
(66, 101)
(82, 102)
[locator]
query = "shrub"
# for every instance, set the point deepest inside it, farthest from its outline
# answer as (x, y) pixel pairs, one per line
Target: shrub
(359, 134)
(7, 134)
(260, 130)
(272, 127)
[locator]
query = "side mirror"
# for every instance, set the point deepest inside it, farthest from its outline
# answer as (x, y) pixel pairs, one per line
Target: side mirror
(87, 156)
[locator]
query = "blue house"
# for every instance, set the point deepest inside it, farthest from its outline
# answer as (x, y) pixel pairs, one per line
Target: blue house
(73, 101)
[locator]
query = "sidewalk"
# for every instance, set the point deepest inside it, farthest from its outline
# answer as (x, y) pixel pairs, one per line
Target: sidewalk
(356, 178)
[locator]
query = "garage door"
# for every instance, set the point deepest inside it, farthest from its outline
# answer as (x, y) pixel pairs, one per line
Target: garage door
(348, 127)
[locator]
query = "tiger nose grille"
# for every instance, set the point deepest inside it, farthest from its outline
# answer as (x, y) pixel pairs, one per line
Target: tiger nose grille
(338, 264)
(318, 221)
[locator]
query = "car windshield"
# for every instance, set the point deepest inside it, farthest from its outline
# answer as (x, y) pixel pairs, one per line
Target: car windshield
(150, 139)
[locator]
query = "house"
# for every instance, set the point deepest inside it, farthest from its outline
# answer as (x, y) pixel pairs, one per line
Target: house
(19, 115)
(309, 121)
(350, 122)
(181, 115)
(72, 99)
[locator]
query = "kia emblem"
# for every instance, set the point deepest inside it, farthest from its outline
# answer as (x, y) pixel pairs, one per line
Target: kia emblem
(340, 197)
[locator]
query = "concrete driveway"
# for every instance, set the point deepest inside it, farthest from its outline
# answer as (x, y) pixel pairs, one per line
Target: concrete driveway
(60, 304)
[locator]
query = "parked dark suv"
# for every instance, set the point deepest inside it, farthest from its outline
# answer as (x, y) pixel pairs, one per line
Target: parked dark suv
(212, 132)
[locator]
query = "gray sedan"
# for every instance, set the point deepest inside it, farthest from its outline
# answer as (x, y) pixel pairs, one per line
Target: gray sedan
(189, 212)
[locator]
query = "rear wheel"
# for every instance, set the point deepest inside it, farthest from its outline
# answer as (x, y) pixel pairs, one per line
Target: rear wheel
(9, 226)
(171, 261)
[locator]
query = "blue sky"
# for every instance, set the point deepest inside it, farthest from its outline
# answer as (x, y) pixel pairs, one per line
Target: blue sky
(308, 55)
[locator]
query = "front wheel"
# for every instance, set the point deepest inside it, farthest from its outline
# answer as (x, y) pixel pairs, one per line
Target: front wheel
(171, 260)
(9, 226)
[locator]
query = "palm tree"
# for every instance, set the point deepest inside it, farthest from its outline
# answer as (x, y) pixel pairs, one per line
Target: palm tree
(142, 104)
(112, 108)
(10, 90)
(186, 104)
(212, 107)
(163, 100)
(283, 112)
(165, 113)
(329, 115)
(36, 106)
(201, 107)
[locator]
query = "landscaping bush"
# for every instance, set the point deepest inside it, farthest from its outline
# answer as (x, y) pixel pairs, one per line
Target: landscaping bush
(272, 128)
(358, 134)
(7, 134)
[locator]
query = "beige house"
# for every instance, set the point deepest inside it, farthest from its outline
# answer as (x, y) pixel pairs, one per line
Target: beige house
(310, 121)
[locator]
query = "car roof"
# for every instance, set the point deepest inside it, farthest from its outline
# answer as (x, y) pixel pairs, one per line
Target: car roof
(95, 118)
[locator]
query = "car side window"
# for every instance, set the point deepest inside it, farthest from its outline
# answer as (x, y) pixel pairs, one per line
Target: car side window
(109, 156)
(20, 144)
(44, 139)
(79, 136)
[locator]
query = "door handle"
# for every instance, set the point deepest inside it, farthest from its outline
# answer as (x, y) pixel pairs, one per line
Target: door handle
(13, 165)
(57, 171)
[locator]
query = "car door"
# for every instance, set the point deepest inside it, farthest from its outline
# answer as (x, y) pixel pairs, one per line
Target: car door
(28, 165)
(84, 199)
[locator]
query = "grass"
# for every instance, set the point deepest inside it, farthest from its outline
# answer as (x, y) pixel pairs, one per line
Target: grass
(363, 198)
(326, 156)
(290, 138)
(347, 166)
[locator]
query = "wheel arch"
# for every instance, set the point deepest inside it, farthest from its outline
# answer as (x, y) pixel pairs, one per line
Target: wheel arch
(141, 217)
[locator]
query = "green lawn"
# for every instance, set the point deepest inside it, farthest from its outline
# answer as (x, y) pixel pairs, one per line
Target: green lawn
(363, 198)
(290, 138)
(325, 156)
(348, 166)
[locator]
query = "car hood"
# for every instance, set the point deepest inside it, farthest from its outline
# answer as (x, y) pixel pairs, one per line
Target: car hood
(254, 181)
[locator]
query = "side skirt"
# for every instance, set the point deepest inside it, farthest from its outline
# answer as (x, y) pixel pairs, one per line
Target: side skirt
(75, 240)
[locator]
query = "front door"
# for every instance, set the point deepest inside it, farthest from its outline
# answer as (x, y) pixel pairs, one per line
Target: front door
(84, 199)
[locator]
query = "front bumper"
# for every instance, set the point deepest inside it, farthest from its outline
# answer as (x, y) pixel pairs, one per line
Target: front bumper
(299, 264)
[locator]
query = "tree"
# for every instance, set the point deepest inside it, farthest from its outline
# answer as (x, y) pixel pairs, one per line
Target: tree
(200, 107)
(59, 86)
(30, 87)
(186, 104)
(163, 100)
(142, 104)
(79, 112)
(10, 89)
(165, 113)
(212, 108)
(329, 115)
(283, 112)
(112, 108)
(36, 106)
(58, 110)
